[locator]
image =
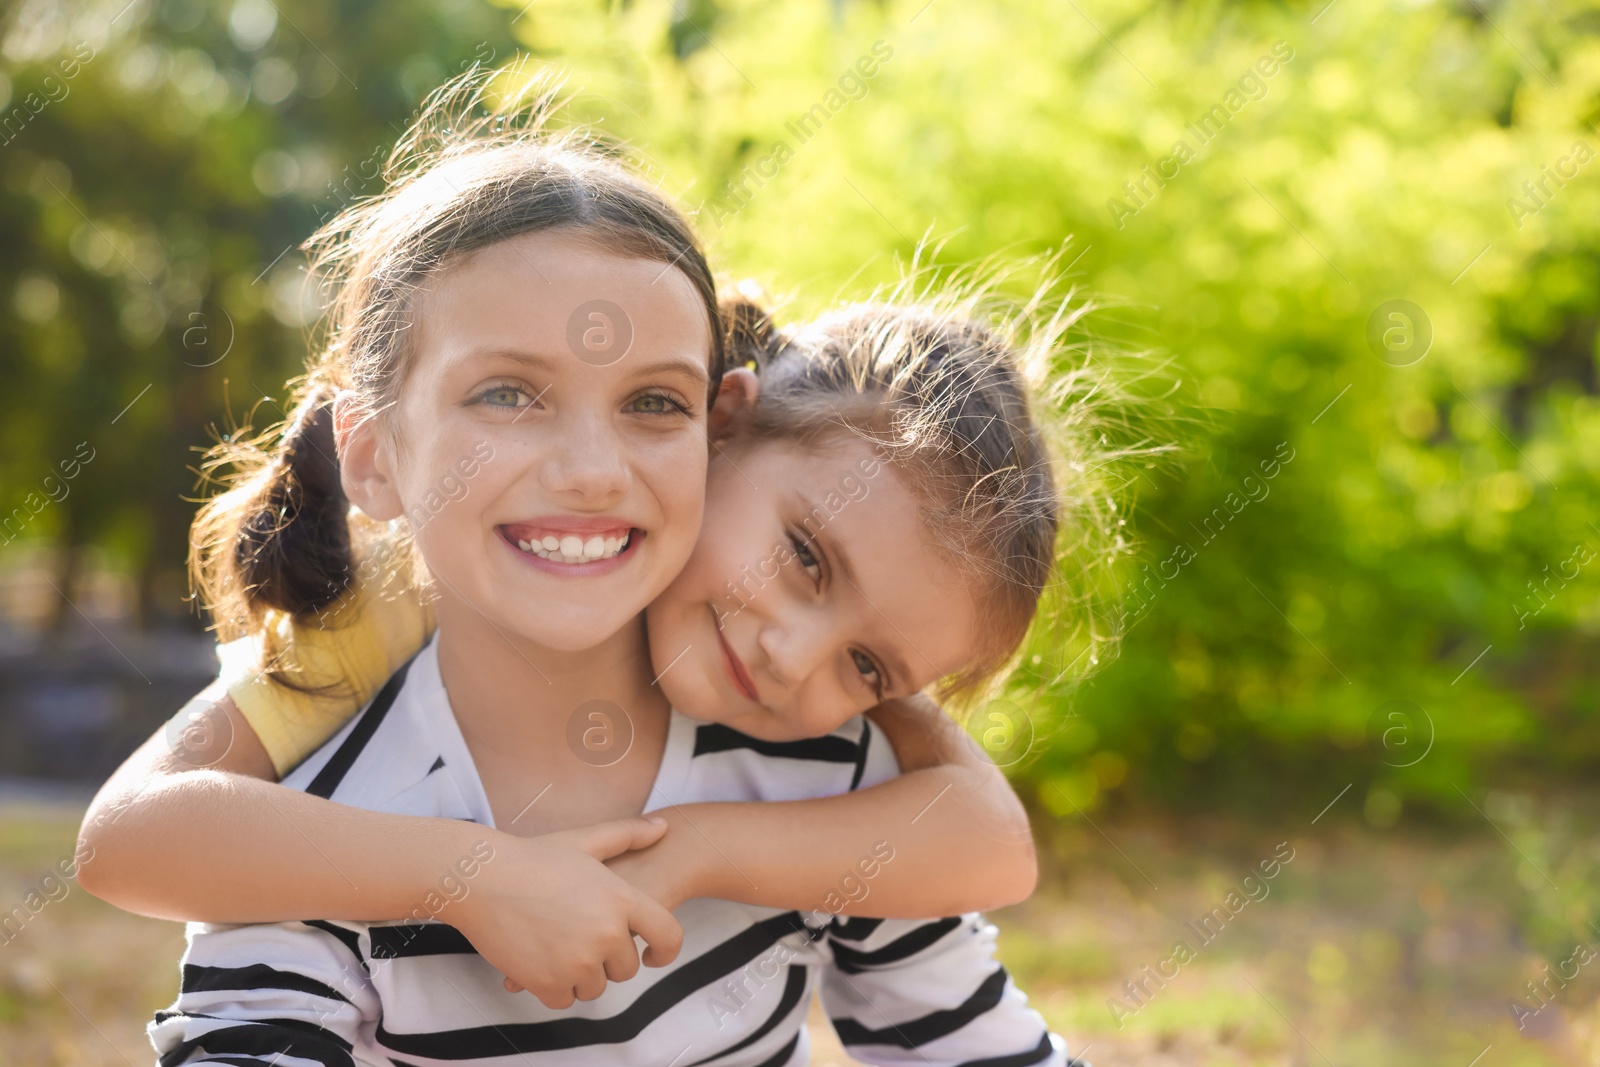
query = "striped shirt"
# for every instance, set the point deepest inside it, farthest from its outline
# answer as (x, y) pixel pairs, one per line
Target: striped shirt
(415, 993)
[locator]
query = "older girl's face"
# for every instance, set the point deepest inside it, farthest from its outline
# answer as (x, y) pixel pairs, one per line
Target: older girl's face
(548, 447)
(813, 593)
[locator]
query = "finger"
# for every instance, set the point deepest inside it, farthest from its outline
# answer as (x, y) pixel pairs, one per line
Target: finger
(622, 963)
(512, 987)
(606, 839)
(590, 986)
(660, 930)
(555, 999)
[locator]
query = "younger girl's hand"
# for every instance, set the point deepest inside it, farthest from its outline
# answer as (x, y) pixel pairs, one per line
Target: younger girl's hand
(675, 868)
(664, 872)
(549, 915)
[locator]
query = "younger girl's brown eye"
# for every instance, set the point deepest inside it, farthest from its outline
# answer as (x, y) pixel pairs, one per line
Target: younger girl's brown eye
(868, 670)
(806, 557)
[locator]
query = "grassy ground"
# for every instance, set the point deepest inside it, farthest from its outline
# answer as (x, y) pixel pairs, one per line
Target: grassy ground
(1367, 947)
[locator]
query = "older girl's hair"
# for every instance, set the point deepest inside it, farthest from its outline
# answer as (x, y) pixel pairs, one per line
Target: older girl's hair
(1010, 435)
(474, 170)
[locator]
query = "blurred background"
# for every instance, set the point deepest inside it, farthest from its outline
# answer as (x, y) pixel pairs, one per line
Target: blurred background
(1362, 614)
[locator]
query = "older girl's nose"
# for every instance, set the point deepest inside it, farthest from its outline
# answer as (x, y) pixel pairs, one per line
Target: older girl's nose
(587, 461)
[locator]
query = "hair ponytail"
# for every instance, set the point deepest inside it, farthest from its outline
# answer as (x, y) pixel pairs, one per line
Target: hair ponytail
(293, 552)
(279, 539)
(750, 338)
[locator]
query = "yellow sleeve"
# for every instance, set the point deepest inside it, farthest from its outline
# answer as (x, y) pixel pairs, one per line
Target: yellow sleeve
(342, 658)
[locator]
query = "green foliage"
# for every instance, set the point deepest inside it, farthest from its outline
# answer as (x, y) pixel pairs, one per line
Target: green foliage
(153, 201)
(1420, 537)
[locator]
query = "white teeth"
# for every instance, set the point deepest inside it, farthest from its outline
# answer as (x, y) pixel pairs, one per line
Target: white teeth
(573, 549)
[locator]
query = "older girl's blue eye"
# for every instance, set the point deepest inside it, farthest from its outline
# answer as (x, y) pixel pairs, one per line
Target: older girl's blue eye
(502, 396)
(657, 404)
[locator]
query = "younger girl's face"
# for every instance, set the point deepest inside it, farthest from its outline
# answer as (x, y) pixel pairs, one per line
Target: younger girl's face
(813, 593)
(548, 447)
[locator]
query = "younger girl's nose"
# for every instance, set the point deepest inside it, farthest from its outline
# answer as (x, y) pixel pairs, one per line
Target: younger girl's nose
(794, 648)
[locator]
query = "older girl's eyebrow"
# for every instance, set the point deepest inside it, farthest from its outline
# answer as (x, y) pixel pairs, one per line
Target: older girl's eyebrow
(694, 368)
(690, 366)
(536, 360)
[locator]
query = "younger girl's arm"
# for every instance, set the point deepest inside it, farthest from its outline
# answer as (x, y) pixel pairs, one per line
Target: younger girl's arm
(179, 833)
(956, 834)
(205, 783)
(225, 844)
(193, 826)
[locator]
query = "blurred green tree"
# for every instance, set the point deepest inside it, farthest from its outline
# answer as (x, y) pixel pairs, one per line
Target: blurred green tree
(1252, 184)
(162, 161)
(1408, 599)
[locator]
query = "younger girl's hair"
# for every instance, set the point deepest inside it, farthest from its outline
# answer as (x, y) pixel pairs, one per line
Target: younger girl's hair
(1010, 438)
(471, 172)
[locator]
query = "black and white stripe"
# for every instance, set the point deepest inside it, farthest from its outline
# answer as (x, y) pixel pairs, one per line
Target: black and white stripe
(418, 995)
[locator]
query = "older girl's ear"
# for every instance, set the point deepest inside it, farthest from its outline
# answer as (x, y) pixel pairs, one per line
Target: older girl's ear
(366, 468)
(738, 391)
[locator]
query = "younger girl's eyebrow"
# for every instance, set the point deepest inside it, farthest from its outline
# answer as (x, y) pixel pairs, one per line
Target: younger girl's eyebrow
(814, 512)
